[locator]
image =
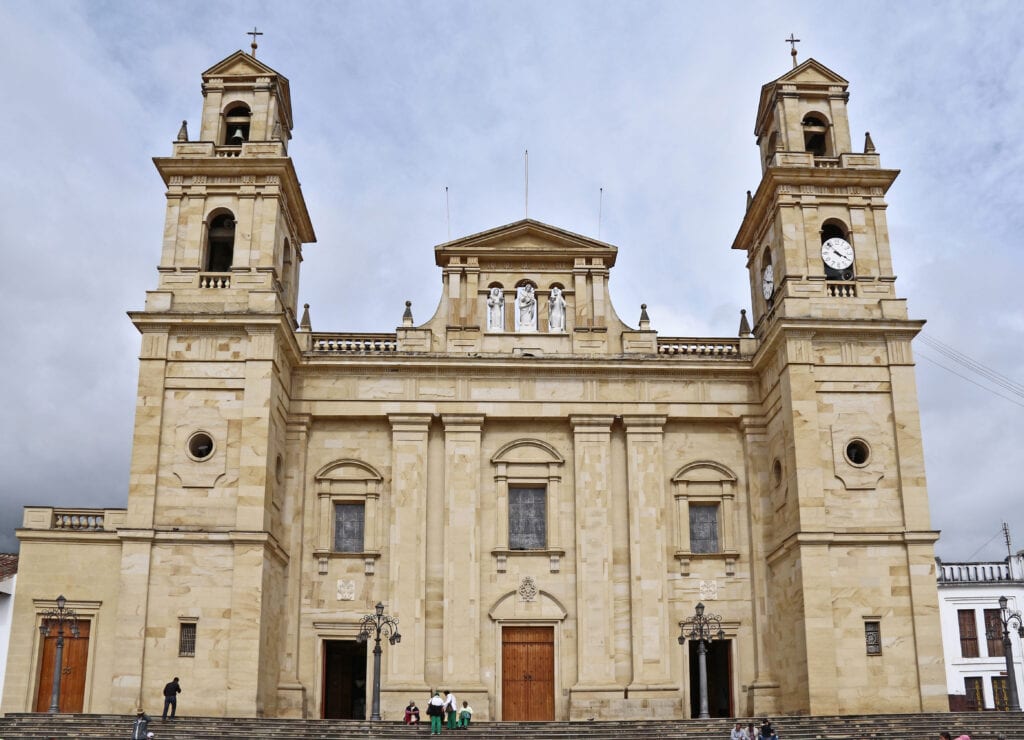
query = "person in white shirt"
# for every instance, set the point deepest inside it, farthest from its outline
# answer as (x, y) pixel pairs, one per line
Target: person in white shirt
(451, 709)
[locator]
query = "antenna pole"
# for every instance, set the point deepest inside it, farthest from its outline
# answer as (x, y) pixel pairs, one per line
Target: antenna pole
(1006, 535)
(526, 160)
(600, 205)
(447, 213)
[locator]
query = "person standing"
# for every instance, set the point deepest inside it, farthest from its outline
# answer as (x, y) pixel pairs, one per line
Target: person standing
(451, 709)
(171, 692)
(435, 709)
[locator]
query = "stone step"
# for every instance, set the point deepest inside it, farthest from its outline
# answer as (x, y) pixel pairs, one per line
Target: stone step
(980, 726)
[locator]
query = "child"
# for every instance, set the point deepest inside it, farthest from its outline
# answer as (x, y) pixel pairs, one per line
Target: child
(465, 715)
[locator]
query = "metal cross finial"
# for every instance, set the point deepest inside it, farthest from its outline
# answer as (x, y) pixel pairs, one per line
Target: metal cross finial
(254, 33)
(792, 46)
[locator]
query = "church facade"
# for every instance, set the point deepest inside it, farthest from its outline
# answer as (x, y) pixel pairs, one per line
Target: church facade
(539, 492)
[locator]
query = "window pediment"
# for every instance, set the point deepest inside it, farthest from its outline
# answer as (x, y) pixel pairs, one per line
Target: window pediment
(527, 451)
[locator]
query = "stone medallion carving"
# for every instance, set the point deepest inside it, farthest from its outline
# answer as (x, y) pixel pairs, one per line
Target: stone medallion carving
(528, 589)
(346, 590)
(709, 590)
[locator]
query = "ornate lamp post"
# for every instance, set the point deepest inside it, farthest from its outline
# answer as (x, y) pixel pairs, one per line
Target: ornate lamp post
(702, 628)
(378, 624)
(60, 616)
(1008, 619)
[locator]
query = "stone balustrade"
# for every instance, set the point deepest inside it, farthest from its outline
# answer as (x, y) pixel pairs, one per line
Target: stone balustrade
(353, 343)
(216, 280)
(698, 347)
(974, 572)
(841, 289)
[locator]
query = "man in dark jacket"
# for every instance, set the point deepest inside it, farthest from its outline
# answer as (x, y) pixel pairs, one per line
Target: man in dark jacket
(141, 726)
(171, 692)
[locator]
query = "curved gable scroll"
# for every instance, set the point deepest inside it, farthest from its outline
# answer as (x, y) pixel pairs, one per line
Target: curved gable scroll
(704, 471)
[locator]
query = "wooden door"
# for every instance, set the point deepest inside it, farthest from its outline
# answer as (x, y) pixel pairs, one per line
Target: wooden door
(73, 662)
(344, 680)
(528, 674)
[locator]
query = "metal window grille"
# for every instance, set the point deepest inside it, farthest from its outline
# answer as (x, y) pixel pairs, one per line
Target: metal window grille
(349, 521)
(873, 638)
(186, 640)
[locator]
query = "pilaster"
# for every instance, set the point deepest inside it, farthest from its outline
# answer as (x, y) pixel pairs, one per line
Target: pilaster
(408, 537)
(461, 584)
(648, 526)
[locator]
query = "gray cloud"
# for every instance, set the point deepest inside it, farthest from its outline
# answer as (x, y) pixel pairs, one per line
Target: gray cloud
(393, 101)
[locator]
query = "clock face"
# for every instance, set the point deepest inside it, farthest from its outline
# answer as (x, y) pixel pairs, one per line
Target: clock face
(837, 253)
(767, 282)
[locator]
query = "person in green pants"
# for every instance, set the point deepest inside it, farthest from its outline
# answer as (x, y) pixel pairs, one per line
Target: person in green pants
(435, 710)
(451, 708)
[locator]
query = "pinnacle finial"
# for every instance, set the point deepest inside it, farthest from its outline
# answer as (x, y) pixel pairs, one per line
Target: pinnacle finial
(750, 200)
(183, 131)
(304, 324)
(869, 145)
(744, 324)
(407, 314)
(645, 320)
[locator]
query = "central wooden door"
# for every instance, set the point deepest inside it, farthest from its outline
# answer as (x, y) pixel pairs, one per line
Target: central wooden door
(528, 674)
(72, 675)
(344, 680)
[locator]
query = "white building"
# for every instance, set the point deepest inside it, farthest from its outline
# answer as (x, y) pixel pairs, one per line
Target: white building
(972, 630)
(8, 575)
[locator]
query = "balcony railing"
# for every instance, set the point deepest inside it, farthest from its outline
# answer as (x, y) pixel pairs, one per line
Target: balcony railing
(841, 289)
(215, 280)
(974, 573)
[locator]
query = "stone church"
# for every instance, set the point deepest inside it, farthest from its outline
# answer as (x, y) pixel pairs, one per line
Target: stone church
(538, 491)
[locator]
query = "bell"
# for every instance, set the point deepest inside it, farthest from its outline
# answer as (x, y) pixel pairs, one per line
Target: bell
(238, 137)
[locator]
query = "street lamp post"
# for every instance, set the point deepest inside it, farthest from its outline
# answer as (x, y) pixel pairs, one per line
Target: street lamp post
(702, 628)
(59, 616)
(1008, 619)
(378, 624)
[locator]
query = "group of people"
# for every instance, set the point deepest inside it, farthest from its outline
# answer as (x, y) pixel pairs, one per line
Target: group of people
(140, 728)
(440, 711)
(766, 732)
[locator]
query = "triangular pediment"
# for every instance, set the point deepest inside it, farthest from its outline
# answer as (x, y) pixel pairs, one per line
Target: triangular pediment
(525, 240)
(240, 64)
(808, 77)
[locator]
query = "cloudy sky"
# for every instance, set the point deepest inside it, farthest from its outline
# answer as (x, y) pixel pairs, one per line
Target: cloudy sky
(652, 101)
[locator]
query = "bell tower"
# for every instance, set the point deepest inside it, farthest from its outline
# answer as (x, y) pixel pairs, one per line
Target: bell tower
(208, 489)
(839, 501)
(236, 218)
(815, 232)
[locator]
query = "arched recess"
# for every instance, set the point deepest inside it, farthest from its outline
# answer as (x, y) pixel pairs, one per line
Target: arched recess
(237, 119)
(705, 503)
(348, 497)
(817, 134)
(527, 475)
(220, 241)
(834, 228)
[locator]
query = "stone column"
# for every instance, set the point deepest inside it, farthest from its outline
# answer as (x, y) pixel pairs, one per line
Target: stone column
(462, 609)
(407, 547)
(595, 619)
(648, 524)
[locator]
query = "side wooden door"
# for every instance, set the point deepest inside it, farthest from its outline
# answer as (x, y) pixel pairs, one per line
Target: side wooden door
(73, 663)
(528, 674)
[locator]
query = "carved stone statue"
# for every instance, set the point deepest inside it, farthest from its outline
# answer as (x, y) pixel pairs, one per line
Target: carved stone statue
(556, 311)
(526, 308)
(496, 310)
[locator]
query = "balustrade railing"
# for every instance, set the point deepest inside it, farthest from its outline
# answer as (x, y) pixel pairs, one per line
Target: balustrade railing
(215, 280)
(353, 343)
(698, 347)
(974, 572)
(829, 162)
(76, 519)
(841, 290)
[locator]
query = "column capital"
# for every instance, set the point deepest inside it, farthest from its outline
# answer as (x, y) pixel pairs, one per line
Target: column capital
(409, 422)
(644, 422)
(462, 422)
(591, 422)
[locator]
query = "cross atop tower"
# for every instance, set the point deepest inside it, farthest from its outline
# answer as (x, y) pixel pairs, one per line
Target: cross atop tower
(254, 33)
(792, 47)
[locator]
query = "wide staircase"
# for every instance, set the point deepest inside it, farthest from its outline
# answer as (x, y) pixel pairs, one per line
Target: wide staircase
(979, 725)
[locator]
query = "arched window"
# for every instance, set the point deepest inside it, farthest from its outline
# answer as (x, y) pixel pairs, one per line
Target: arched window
(220, 243)
(836, 251)
(236, 125)
(816, 139)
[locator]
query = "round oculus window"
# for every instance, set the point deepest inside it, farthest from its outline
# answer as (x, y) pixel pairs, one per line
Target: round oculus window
(857, 452)
(200, 446)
